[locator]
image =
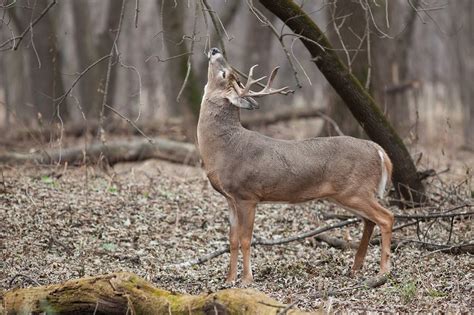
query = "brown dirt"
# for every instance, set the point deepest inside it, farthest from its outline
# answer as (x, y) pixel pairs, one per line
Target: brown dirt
(57, 224)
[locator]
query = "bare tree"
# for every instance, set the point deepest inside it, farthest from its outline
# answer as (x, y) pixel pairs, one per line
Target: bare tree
(90, 47)
(463, 46)
(176, 40)
(44, 63)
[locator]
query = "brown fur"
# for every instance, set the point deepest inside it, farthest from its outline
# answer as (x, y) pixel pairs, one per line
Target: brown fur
(247, 168)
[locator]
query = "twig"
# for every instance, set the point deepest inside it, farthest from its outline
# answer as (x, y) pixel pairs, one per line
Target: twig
(74, 83)
(280, 241)
(371, 283)
(287, 308)
(130, 122)
(109, 68)
(214, 18)
(453, 249)
(434, 216)
(19, 275)
(311, 233)
(30, 27)
(137, 10)
(134, 69)
(188, 63)
(159, 59)
(262, 18)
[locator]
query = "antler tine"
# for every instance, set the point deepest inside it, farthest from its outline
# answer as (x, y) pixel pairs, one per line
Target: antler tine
(272, 77)
(267, 90)
(250, 81)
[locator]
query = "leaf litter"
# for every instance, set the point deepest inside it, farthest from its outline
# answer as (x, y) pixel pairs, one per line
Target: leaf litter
(57, 224)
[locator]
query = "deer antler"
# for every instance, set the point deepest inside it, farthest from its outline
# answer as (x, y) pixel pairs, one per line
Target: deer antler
(267, 90)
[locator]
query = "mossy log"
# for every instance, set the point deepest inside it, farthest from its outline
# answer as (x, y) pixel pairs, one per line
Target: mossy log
(126, 293)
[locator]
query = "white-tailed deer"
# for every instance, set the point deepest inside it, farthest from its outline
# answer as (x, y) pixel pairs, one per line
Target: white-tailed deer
(248, 168)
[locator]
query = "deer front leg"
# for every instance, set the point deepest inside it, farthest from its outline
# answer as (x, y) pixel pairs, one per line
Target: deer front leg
(364, 243)
(246, 217)
(234, 242)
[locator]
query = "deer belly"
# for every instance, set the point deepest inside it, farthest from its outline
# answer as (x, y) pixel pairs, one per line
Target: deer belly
(295, 192)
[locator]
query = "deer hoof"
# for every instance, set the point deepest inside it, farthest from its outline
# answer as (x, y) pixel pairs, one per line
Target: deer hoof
(247, 280)
(229, 280)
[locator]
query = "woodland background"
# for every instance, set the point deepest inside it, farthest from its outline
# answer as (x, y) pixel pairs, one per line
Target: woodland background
(416, 57)
(96, 80)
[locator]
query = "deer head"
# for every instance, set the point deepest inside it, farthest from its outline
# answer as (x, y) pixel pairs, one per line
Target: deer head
(222, 78)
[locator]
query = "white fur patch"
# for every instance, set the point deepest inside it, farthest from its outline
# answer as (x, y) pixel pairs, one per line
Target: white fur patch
(383, 180)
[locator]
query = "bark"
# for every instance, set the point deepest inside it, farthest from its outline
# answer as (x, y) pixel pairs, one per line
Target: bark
(126, 293)
(91, 45)
(463, 28)
(112, 152)
(390, 58)
(17, 79)
(44, 63)
(16, 97)
(90, 95)
(359, 101)
(174, 15)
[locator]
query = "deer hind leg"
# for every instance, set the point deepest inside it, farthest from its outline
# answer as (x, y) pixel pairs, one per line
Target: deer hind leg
(364, 243)
(246, 217)
(371, 210)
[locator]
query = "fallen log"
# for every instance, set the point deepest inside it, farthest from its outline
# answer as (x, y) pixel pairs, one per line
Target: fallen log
(273, 117)
(126, 293)
(78, 129)
(112, 152)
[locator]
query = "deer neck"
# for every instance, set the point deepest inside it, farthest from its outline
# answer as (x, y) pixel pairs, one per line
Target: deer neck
(217, 112)
(219, 122)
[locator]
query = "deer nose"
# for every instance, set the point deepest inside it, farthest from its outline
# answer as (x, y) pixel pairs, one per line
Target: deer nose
(214, 51)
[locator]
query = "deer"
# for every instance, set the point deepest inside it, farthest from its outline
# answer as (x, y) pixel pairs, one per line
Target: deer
(249, 168)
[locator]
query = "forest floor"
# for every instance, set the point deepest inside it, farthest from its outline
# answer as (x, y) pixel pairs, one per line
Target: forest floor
(59, 223)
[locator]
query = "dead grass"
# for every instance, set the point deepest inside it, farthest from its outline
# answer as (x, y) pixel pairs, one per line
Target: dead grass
(58, 224)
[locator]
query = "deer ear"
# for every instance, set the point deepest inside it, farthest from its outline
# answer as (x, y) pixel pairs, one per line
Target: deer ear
(242, 102)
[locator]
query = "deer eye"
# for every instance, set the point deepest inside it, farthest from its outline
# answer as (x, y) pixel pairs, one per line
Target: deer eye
(223, 74)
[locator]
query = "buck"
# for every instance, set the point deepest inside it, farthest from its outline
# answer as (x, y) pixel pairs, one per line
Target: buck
(248, 168)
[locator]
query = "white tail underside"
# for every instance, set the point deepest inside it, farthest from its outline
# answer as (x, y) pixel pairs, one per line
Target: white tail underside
(383, 179)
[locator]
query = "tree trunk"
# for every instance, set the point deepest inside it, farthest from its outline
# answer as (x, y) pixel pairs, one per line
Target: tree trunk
(126, 293)
(174, 14)
(463, 28)
(45, 65)
(391, 69)
(91, 84)
(359, 101)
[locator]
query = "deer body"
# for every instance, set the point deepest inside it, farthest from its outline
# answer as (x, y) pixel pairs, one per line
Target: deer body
(248, 168)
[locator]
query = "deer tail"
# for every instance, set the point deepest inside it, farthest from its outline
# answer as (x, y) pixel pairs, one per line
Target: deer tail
(386, 165)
